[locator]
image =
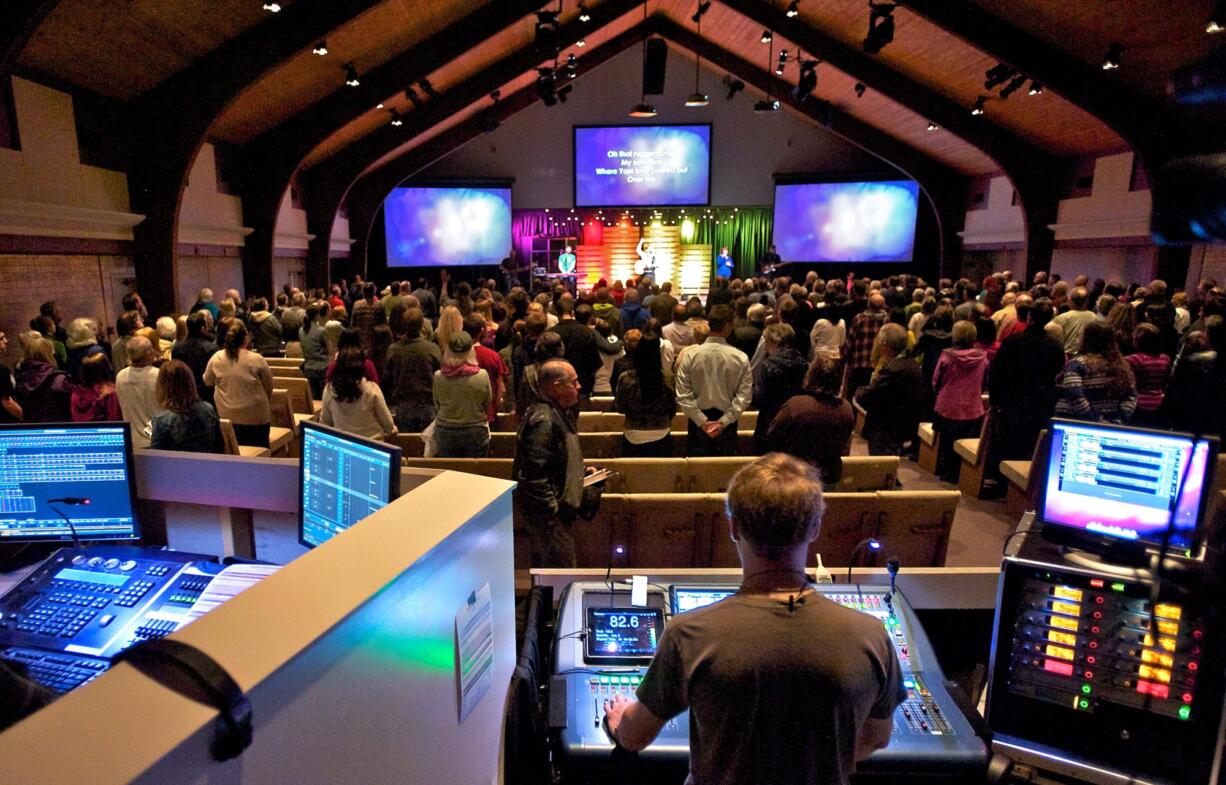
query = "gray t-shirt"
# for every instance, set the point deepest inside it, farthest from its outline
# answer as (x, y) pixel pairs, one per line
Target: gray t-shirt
(776, 696)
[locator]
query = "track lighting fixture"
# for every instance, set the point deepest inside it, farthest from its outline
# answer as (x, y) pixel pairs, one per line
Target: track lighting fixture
(1216, 23)
(320, 49)
(351, 76)
(272, 8)
(1013, 87)
(1114, 54)
(703, 7)
(794, 9)
(767, 36)
(733, 85)
(880, 26)
(977, 109)
(584, 16)
(1035, 88)
(860, 88)
(396, 121)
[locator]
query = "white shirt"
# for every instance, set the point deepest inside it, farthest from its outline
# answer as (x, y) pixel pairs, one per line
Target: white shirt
(367, 416)
(714, 375)
(828, 338)
(137, 391)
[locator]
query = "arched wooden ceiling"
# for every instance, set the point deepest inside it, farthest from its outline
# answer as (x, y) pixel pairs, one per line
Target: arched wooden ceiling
(124, 48)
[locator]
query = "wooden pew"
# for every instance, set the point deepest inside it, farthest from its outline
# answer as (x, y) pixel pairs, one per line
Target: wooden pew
(915, 526)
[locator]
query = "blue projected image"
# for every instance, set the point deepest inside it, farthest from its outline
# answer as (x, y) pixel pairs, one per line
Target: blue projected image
(642, 165)
(90, 462)
(447, 226)
(342, 480)
(846, 222)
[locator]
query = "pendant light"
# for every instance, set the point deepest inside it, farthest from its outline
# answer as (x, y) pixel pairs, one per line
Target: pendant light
(699, 98)
(642, 108)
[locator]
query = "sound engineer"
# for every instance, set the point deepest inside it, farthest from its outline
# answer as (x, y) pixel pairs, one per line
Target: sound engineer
(783, 685)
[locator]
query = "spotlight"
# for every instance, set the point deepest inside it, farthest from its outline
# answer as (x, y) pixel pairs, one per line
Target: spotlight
(572, 67)
(734, 86)
(1217, 19)
(1114, 54)
(320, 49)
(997, 75)
(767, 36)
(697, 100)
(428, 88)
(807, 82)
(977, 109)
(933, 127)
(794, 9)
(544, 86)
(414, 99)
(272, 8)
(643, 109)
(351, 75)
(1013, 87)
(1035, 89)
(764, 106)
(547, 31)
(703, 7)
(584, 16)
(396, 121)
(860, 88)
(581, 43)
(783, 60)
(379, 105)
(880, 26)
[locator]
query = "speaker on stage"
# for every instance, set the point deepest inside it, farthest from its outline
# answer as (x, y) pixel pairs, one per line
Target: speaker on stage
(654, 63)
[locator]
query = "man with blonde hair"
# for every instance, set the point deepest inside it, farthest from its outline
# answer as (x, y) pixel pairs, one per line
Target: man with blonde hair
(738, 665)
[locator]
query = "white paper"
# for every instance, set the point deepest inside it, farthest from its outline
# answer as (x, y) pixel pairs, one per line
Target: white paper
(230, 581)
(474, 632)
(638, 591)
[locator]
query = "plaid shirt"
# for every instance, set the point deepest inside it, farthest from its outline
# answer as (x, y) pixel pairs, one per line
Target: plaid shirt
(860, 337)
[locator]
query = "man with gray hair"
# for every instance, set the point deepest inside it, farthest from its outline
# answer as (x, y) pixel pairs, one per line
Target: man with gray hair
(738, 665)
(136, 386)
(1073, 321)
(893, 401)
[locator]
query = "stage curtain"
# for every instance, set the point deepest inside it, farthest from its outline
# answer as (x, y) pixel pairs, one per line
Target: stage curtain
(747, 235)
(526, 224)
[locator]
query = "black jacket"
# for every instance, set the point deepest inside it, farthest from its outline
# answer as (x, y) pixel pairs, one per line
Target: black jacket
(1193, 401)
(541, 463)
(579, 342)
(776, 379)
(1023, 374)
(893, 402)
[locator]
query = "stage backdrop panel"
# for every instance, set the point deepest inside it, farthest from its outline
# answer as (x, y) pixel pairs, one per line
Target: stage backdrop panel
(846, 222)
(642, 166)
(447, 226)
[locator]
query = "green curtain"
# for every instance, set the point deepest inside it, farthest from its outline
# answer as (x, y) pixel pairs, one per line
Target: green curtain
(746, 231)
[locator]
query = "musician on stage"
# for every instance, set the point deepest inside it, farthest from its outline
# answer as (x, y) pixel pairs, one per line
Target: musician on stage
(510, 268)
(566, 261)
(723, 264)
(647, 259)
(770, 261)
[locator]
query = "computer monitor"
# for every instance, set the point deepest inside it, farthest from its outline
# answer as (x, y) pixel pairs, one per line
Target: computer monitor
(1110, 484)
(342, 478)
(622, 635)
(688, 598)
(87, 465)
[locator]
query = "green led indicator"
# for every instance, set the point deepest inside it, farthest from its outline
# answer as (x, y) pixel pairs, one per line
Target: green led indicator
(1085, 688)
(604, 679)
(1117, 586)
(1185, 712)
(625, 679)
(1083, 703)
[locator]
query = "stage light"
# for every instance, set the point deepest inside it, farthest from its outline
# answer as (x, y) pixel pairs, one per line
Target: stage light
(572, 67)
(766, 105)
(428, 88)
(582, 42)
(379, 105)
(977, 109)
(880, 26)
(1036, 89)
(584, 16)
(997, 75)
(933, 127)
(794, 9)
(1012, 87)
(783, 60)
(703, 7)
(546, 41)
(544, 86)
(860, 88)
(351, 76)
(1217, 18)
(767, 36)
(320, 49)
(1114, 54)
(413, 97)
(272, 8)
(396, 121)
(734, 86)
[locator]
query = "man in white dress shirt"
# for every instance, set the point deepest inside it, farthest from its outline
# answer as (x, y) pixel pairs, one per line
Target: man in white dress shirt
(714, 386)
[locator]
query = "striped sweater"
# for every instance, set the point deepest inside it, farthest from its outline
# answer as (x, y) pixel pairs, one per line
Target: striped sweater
(1088, 391)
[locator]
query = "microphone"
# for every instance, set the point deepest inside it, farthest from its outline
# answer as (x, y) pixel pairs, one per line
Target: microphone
(892, 565)
(74, 500)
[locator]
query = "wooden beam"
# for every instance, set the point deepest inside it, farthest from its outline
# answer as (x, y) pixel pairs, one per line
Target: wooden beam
(169, 123)
(18, 21)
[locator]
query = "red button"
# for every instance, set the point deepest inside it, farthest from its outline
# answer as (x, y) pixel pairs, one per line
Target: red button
(1093, 644)
(1098, 614)
(1192, 666)
(1091, 659)
(1187, 697)
(1198, 634)
(1089, 674)
(1095, 630)
(1098, 600)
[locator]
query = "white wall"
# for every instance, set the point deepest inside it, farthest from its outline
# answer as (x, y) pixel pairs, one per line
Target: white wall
(535, 146)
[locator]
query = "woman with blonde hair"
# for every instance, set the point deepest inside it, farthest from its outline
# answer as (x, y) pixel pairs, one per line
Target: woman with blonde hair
(43, 390)
(450, 322)
(461, 400)
(82, 343)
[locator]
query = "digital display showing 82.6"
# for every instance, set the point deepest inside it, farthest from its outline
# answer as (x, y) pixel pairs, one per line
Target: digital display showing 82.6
(623, 632)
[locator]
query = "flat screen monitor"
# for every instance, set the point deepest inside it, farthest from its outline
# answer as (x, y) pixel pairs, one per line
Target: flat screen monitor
(642, 165)
(342, 478)
(1115, 483)
(622, 634)
(88, 465)
(846, 222)
(451, 227)
(687, 598)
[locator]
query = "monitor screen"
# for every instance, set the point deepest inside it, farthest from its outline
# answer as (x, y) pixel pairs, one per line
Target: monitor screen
(623, 633)
(1126, 483)
(642, 165)
(342, 479)
(450, 227)
(687, 598)
(90, 463)
(846, 222)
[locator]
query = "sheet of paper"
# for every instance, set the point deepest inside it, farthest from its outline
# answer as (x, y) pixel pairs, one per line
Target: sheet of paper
(474, 632)
(229, 582)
